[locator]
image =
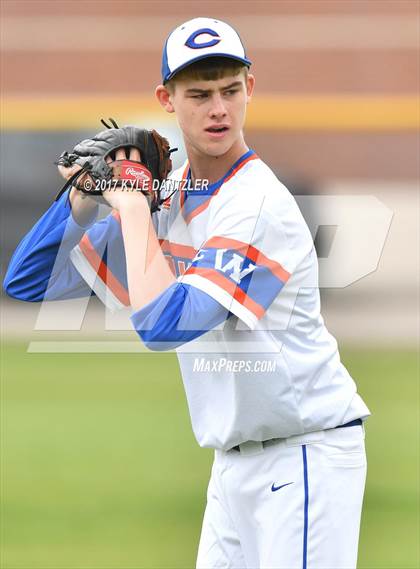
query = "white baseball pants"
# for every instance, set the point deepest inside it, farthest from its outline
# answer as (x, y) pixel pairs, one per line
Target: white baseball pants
(295, 504)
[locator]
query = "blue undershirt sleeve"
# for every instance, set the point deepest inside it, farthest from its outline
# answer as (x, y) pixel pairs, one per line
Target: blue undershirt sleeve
(178, 315)
(40, 267)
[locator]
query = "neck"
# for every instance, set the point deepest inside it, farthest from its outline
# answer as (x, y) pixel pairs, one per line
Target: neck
(212, 168)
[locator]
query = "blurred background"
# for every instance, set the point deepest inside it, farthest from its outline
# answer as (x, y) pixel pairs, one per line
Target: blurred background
(99, 465)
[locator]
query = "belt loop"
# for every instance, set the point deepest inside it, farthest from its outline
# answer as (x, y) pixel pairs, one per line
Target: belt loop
(251, 447)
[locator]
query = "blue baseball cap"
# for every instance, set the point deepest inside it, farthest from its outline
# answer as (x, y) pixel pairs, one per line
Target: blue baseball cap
(197, 39)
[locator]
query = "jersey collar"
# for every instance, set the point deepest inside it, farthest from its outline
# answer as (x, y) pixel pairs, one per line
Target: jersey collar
(194, 202)
(211, 188)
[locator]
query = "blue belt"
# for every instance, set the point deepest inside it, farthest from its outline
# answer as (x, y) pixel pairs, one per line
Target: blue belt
(354, 423)
(351, 424)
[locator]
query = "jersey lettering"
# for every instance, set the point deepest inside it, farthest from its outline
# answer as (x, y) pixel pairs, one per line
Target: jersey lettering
(234, 264)
(178, 265)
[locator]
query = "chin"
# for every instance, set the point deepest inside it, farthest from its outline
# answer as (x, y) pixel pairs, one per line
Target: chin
(217, 149)
(214, 152)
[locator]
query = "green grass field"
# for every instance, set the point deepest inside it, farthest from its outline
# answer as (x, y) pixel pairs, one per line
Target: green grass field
(100, 468)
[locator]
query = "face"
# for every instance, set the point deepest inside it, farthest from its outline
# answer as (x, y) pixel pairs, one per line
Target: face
(211, 114)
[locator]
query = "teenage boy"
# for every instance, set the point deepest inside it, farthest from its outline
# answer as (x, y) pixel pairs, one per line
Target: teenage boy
(239, 300)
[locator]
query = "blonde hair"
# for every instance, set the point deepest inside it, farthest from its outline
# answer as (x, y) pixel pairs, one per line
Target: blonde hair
(209, 69)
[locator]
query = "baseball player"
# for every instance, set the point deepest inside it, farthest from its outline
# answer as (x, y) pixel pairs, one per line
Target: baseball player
(225, 272)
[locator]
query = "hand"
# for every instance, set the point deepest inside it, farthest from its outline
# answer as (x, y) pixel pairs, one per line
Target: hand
(67, 173)
(84, 207)
(118, 197)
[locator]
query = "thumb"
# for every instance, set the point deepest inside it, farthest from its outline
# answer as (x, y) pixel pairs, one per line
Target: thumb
(68, 172)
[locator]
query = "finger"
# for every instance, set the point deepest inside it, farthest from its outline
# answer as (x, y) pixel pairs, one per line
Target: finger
(108, 159)
(135, 154)
(120, 154)
(67, 172)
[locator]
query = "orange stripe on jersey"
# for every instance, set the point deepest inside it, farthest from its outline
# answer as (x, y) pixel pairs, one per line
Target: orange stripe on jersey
(184, 251)
(252, 157)
(103, 272)
(171, 264)
(116, 214)
(235, 291)
(181, 267)
(206, 204)
(251, 252)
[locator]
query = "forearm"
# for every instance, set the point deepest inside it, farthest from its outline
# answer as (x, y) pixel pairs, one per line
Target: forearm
(166, 314)
(83, 208)
(148, 272)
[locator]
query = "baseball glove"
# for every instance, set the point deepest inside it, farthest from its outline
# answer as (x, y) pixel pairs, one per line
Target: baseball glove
(96, 157)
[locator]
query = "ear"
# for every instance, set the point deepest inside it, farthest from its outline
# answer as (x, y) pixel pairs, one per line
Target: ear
(250, 84)
(164, 98)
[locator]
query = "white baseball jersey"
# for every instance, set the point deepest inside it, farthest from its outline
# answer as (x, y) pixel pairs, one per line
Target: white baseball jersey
(273, 370)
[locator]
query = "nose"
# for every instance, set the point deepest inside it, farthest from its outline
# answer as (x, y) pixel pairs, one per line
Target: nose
(218, 109)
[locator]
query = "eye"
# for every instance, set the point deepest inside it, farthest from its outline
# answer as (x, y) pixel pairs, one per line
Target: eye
(200, 96)
(231, 91)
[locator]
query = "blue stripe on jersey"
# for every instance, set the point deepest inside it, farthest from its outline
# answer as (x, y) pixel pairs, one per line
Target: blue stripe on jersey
(260, 284)
(197, 197)
(306, 508)
(263, 286)
(193, 201)
(43, 255)
(178, 315)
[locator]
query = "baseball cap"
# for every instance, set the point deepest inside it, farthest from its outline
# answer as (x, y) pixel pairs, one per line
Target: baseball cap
(198, 39)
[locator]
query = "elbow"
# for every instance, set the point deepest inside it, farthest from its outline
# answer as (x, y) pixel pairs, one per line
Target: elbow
(158, 342)
(18, 289)
(10, 288)
(160, 339)
(22, 295)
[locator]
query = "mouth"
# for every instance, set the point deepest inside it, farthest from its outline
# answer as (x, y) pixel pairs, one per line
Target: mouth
(217, 131)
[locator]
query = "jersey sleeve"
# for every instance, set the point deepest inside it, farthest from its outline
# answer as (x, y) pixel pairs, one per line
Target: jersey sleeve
(178, 315)
(40, 267)
(251, 249)
(99, 258)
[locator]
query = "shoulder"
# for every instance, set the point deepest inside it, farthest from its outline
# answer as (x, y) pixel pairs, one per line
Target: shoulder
(256, 187)
(257, 197)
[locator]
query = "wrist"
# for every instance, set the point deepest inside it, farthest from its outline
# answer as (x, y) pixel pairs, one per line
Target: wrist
(83, 209)
(79, 199)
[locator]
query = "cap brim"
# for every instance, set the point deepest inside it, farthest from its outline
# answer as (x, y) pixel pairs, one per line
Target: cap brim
(243, 60)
